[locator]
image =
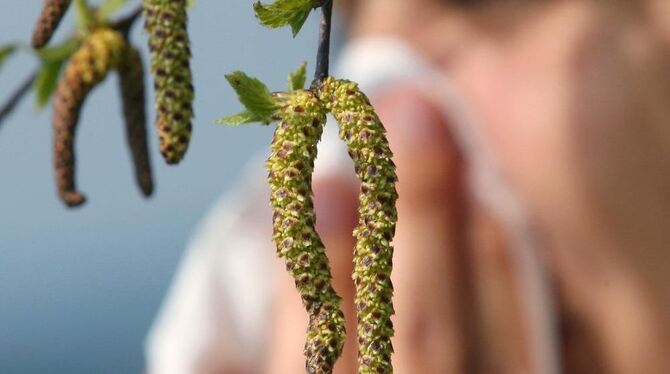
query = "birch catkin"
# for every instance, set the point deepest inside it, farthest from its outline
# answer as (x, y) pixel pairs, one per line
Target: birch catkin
(290, 169)
(88, 66)
(365, 136)
(51, 15)
(170, 65)
(131, 81)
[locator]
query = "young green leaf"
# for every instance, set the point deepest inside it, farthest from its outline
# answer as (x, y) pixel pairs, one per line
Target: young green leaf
(6, 51)
(46, 82)
(297, 79)
(109, 7)
(253, 94)
(242, 118)
(59, 52)
(285, 12)
(85, 16)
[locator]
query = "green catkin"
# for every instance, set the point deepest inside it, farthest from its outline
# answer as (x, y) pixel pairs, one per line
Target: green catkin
(100, 52)
(365, 136)
(166, 23)
(290, 166)
(51, 15)
(131, 82)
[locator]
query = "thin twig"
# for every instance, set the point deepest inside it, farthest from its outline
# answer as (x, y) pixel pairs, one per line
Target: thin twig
(124, 25)
(323, 53)
(16, 97)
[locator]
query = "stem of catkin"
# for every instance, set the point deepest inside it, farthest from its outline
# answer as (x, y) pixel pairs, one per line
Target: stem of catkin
(290, 166)
(365, 136)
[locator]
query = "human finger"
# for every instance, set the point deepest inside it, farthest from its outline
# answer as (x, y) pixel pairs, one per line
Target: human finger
(431, 289)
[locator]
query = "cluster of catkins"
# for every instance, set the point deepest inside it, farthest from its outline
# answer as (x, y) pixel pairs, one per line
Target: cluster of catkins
(294, 148)
(101, 52)
(302, 116)
(104, 49)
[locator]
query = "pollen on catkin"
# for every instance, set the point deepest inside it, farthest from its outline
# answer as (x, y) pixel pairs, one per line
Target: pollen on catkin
(100, 52)
(131, 82)
(49, 18)
(166, 23)
(290, 167)
(368, 147)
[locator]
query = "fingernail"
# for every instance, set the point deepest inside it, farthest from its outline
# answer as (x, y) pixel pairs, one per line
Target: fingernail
(412, 121)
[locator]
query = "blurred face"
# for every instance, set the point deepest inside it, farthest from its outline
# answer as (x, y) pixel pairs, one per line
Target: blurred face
(346, 7)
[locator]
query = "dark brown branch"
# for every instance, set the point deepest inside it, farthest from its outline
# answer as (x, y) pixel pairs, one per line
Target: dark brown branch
(124, 25)
(16, 97)
(323, 53)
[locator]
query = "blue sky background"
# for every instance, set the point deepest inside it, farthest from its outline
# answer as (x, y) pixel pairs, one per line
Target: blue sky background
(79, 289)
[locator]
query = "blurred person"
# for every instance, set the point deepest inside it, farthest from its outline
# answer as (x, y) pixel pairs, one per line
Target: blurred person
(533, 151)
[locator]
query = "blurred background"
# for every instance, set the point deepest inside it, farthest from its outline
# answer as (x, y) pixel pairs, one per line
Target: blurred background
(79, 288)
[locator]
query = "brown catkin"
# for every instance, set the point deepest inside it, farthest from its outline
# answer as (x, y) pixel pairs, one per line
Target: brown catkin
(131, 81)
(88, 66)
(166, 23)
(51, 15)
(290, 167)
(366, 141)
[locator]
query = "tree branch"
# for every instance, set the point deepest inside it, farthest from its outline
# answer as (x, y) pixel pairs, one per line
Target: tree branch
(124, 25)
(323, 53)
(16, 97)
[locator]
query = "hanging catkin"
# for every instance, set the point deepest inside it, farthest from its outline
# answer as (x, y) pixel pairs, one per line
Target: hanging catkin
(131, 81)
(50, 16)
(166, 24)
(290, 169)
(88, 66)
(365, 136)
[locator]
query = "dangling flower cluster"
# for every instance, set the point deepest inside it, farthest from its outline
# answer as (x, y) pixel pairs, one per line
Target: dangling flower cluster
(368, 147)
(131, 82)
(50, 16)
(290, 166)
(166, 24)
(101, 52)
(302, 115)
